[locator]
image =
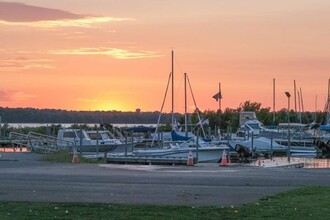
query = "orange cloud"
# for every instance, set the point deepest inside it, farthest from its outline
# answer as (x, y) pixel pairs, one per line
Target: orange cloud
(113, 52)
(15, 64)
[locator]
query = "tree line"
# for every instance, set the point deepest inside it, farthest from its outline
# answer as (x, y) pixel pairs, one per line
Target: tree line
(32, 115)
(227, 119)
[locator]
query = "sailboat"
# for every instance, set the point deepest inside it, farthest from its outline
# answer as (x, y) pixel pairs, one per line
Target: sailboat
(326, 126)
(184, 142)
(323, 142)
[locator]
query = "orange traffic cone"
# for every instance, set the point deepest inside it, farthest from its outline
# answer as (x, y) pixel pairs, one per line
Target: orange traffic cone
(224, 160)
(75, 158)
(190, 160)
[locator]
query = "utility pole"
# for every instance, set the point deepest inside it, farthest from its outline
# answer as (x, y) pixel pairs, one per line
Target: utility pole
(289, 144)
(220, 109)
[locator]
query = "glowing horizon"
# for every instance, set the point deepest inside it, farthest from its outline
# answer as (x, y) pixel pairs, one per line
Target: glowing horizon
(117, 55)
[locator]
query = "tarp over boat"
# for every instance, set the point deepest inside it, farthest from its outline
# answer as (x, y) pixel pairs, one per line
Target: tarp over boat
(325, 127)
(178, 137)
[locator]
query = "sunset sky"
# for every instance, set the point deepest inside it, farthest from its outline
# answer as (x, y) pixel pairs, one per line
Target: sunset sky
(116, 55)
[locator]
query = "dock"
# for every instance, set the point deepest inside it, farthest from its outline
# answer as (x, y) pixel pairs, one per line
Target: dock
(145, 160)
(148, 160)
(121, 158)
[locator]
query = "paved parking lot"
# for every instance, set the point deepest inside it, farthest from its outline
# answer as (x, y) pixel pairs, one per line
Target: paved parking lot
(25, 178)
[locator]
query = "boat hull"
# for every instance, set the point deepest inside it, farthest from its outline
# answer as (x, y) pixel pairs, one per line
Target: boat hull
(211, 154)
(117, 148)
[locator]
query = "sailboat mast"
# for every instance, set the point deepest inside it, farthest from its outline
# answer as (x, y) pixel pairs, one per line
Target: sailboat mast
(185, 105)
(315, 108)
(172, 60)
(328, 88)
(219, 97)
(328, 104)
(302, 101)
(273, 101)
(295, 96)
(299, 106)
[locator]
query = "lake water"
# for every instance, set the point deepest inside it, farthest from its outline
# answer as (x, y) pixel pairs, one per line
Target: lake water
(66, 125)
(309, 162)
(10, 149)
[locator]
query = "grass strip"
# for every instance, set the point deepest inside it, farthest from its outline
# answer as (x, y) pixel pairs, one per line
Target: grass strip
(66, 157)
(302, 203)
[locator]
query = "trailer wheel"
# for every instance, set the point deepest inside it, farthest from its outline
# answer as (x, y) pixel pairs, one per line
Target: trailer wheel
(243, 153)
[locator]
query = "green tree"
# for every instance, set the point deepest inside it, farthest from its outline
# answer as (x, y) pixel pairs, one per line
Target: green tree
(265, 116)
(249, 106)
(230, 119)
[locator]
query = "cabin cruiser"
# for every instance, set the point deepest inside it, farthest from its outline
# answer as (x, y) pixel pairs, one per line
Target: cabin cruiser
(255, 137)
(92, 141)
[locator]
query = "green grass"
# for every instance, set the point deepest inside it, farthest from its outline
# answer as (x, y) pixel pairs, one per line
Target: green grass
(303, 203)
(66, 157)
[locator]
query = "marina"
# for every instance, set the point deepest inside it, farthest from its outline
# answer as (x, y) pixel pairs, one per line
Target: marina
(113, 150)
(164, 109)
(250, 141)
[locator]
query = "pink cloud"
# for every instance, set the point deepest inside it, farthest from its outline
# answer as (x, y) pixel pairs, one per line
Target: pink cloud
(5, 95)
(10, 96)
(34, 16)
(19, 12)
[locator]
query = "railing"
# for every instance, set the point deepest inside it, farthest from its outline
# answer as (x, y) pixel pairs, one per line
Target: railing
(19, 140)
(39, 142)
(47, 143)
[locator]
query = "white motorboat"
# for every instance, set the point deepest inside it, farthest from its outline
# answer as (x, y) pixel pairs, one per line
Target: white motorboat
(206, 152)
(92, 141)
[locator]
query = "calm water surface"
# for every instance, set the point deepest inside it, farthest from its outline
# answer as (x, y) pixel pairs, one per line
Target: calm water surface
(66, 125)
(308, 162)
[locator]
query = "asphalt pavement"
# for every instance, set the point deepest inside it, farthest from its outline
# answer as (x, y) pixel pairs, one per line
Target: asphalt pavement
(25, 178)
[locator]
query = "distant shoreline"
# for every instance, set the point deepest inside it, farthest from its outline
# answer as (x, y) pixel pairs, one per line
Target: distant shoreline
(66, 125)
(53, 116)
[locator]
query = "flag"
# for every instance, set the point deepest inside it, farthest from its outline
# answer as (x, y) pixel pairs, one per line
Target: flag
(217, 96)
(203, 122)
(206, 122)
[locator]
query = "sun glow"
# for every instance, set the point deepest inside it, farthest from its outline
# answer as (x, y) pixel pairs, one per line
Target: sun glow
(109, 107)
